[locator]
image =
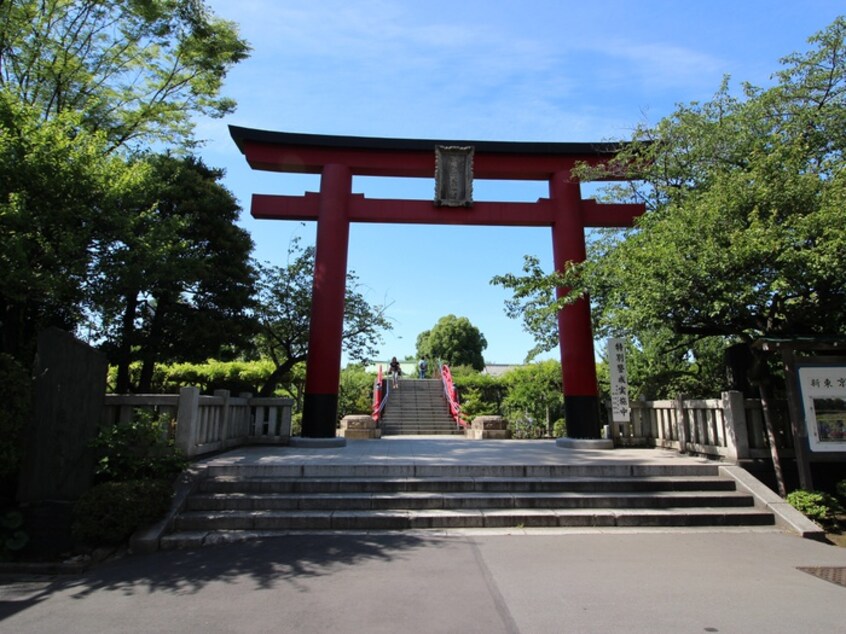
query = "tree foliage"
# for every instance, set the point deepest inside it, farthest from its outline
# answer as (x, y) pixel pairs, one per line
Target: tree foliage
(58, 201)
(529, 397)
(284, 314)
(534, 302)
(662, 365)
(355, 392)
(212, 374)
(480, 394)
(177, 281)
(745, 230)
(134, 70)
(455, 341)
(83, 86)
(534, 392)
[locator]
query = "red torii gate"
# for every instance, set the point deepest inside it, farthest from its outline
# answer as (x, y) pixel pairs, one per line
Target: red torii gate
(338, 158)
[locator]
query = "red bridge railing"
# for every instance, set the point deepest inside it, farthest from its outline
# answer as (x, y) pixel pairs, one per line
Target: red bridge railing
(379, 401)
(451, 395)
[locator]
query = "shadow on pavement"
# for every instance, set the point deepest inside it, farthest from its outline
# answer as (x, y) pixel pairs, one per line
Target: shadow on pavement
(291, 560)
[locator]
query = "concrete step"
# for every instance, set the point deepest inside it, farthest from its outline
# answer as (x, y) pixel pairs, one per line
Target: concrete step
(422, 431)
(234, 502)
(480, 472)
(417, 407)
(416, 413)
(403, 519)
(419, 426)
(493, 500)
(511, 485)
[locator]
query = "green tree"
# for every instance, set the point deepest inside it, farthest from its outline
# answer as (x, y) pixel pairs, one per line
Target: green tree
(534, 392)
(355, 392)
(455, 341)
(662, 365)
(745, 230)
(284, 314)
(479, 394)
(179, 282)
(83, 84)
(58, 195)
(135, 71)
(534, 303)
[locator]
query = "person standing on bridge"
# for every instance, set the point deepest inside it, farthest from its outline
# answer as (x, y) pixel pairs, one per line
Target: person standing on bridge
(422, 368)
(396, 372)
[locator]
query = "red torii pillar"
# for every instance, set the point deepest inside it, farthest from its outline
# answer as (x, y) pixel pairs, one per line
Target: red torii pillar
(337, 159)
(320, 405)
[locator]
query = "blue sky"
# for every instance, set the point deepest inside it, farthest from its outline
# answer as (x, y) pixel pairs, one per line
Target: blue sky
(527, 70)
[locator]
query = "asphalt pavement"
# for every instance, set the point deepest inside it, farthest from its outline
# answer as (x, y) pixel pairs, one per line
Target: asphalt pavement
(580, 581)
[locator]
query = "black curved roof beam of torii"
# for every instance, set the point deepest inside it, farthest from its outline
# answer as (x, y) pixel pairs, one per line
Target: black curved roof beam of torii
(370, 156)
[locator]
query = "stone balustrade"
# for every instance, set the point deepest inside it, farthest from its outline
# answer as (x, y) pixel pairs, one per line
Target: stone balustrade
(206, 424)
(730, 427)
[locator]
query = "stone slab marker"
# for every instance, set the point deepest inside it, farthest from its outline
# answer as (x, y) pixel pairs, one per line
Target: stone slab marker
(58, 462)
(359, 426)
(484, 427)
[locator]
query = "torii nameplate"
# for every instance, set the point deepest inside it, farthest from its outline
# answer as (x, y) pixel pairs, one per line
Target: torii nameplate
(454, 176)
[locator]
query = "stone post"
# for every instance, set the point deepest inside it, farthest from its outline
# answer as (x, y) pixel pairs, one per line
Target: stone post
(681, 423)
(737, 434)
(226, 417)
(186, 420)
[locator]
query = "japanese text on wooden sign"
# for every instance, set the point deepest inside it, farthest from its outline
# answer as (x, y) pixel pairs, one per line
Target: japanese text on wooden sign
(619, 380)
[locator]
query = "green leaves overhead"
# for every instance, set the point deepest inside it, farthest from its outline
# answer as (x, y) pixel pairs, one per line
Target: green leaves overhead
(136, 70)
(176, 282)
(745, 227)
(86, 86)
(58, 197)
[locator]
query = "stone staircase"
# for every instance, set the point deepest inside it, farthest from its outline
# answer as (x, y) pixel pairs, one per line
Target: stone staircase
(234, 503)
(417, 407)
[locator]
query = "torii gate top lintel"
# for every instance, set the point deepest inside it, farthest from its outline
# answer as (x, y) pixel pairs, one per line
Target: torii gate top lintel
(371, 156)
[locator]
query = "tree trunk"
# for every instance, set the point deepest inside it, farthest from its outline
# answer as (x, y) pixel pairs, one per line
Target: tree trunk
(767, 409)
(123, 357)
(150, 348)
(277, 375)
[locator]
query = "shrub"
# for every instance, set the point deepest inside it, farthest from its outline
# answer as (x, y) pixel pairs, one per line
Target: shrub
(480, 394)
(141, 448)
(12, 536)
(816, 505)
(136, 469)
(841, 490)
(473, 404)
(109, 513)
(559, 428)
(525, 427)
(355, 391)
(15, 390)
